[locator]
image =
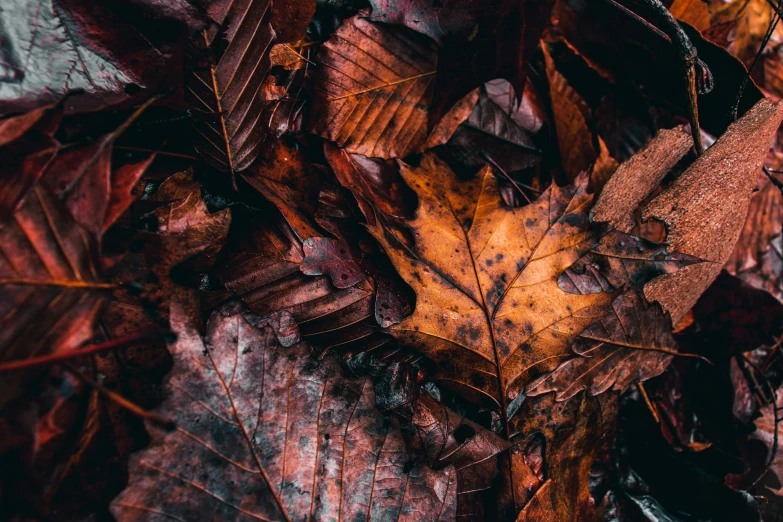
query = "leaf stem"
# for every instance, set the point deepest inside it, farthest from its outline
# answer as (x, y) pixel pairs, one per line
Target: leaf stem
(52, 358)
(119, 400)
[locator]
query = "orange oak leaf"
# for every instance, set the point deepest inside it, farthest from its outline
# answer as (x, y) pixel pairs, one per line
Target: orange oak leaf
(491, 308)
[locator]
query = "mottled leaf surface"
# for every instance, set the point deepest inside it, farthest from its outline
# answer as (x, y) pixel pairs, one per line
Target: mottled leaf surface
(634, 342)
(489, 308)
(264, 432)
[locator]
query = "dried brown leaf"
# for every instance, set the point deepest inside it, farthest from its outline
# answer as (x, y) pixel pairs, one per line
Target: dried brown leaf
(373, 86)
(229, 92)
(571, 115)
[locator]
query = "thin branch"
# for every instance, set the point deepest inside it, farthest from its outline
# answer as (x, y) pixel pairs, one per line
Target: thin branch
(44, 360)
(119, 400)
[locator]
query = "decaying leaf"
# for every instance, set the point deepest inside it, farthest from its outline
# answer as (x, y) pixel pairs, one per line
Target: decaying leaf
(704, 210)
(264, 432)
(571, 115)
(489, 309)
(50, 277)
(50, 281)
(263, 268)
(373, 88)
(52, 47)
(634, 342)
(229, 92)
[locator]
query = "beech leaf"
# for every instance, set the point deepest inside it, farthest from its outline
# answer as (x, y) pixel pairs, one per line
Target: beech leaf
(373, 88)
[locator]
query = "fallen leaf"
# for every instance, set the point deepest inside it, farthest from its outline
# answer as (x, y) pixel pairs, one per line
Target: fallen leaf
(228, 136)
(571, 115)
(633, 343)
(376, 184)
(489, 308)
(705, 209)
(763, 224)
(27, 145)
(492, 131)
(435, 19)
(51, 48)
(373, 86)
(185, 235)
(95, 193)
(732, 316)
(565, 495)
(263, 268)
(751, 19)
(336, 457)
(284, 178)
(499, 45)
(694, 12)
(52, 288)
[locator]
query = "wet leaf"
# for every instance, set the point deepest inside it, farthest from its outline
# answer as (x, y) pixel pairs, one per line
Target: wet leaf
(303, 441)
(488, 304)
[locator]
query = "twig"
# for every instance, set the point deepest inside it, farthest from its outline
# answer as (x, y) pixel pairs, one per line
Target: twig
(770, 30)
(650, 405)
(43, 360)
(119, 400)
(487, 157)
(161, 152)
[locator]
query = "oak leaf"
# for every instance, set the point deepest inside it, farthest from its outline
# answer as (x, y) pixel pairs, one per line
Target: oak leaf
(264, 432)
(489, 308)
